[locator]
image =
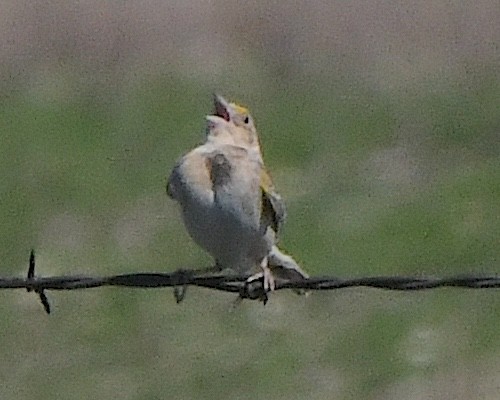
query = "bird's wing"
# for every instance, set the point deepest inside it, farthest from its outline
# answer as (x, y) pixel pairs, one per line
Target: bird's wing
(191, 172)
(173, 182)
(273, 206)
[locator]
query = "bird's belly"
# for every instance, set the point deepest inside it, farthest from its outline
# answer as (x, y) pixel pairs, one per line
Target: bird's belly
(233, 243)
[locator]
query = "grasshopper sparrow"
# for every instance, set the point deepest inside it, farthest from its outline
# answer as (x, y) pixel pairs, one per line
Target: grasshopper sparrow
(229, 204)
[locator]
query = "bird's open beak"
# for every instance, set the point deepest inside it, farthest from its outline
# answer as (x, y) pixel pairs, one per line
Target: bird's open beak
(221, 107)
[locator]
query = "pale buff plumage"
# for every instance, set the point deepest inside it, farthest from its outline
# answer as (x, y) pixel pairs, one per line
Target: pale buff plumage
(273, 212)
(217, 187)
(228, 200)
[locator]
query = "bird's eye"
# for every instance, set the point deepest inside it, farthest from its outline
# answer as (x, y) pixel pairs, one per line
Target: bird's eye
(246, 120)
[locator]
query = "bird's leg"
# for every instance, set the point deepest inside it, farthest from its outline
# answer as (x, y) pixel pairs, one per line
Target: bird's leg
(269, 283)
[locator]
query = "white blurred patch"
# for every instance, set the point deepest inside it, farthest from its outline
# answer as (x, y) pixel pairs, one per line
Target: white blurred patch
(392, 169)
(66, 230)
(139, 224)
(422, 345)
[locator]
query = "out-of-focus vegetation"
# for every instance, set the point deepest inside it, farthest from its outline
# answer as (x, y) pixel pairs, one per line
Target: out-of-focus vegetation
(381, 126)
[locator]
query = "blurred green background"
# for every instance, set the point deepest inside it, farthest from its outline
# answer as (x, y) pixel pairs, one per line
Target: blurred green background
(380, 122)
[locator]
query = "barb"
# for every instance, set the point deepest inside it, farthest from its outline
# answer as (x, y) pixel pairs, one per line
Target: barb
(254, 290)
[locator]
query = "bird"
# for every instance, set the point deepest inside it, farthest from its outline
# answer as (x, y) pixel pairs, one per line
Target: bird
(244, 134)
(273, 208)
(228, 200)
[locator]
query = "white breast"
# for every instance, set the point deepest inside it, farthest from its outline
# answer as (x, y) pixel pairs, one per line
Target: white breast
(226, 223)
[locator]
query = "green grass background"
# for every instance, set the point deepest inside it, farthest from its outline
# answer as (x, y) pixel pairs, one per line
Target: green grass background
(377, 182)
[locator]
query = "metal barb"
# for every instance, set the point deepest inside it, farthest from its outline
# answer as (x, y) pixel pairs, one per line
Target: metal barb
(29, 283)
(31, 268)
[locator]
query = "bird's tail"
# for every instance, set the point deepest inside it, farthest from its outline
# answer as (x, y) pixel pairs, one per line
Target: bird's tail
(285, 267)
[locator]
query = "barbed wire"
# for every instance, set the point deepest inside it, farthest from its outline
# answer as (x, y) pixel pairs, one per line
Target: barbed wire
(254, 290)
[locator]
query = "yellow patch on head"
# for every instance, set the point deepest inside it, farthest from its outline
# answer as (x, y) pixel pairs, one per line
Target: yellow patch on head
(239, 109)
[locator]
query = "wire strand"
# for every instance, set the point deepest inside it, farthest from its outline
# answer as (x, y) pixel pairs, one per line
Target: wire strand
(182, 278)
